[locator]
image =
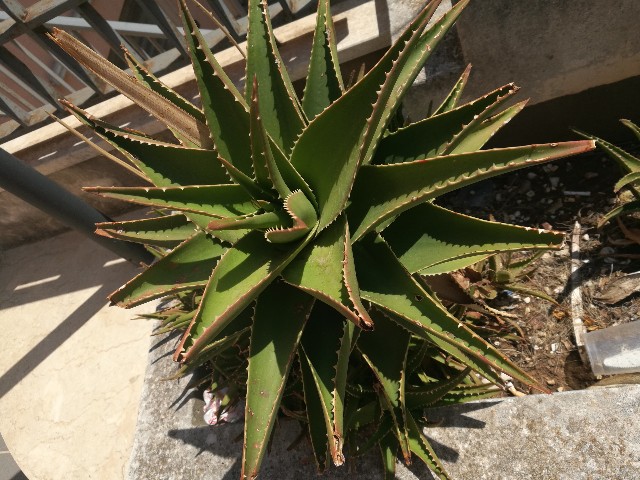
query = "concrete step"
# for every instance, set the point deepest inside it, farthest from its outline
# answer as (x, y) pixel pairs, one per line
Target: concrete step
(578, 435)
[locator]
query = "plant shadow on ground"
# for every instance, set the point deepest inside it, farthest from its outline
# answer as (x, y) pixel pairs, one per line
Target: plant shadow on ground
(290, 454)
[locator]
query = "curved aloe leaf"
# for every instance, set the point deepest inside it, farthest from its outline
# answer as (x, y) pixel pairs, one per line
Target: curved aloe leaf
(281, 314)
(385, 350)
(190, 262)
(148, 79)
(627, 180)
(624, 158)
(430, 137)
(265, 170)
(249, 222)
(241, 275)
(389, 451)
(225, 111)
(281, 112)
(324, 80)
(383, 191)
(451, 100)
(164, 164)
(189, 127)
(384, 428)
(622, 209)
(320, 271)
(330, 166)
(315, 415)
(468, 393)
(385, 282)
(429, 395)
(212, 200)
(421, 447)
(303, 215)
(401, 76)
(165, 231)
(430, 239)
(477, 133)
(632, 126)
(326, 345)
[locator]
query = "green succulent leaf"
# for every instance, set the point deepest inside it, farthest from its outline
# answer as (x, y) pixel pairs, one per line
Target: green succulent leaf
(281, 112)
(164, 231)
(250, 222)
(265, 170)
(430, 137)
(389, 451)
(386, 283)
(451, 100)
(382, 191)
(164, 164)
(424, 397)
(148, 79)
(401, 76)
(315, 415)
(164, 110)
(621, 210)
(480, 130)
(242, 273)
(202, 222)
(430, 239)
(320, 271)
(383, 429)
(632, 126)
(326, 346)
(330, 166)
(421, 447)
(324, 80)
(281, 314)
(468, 393)
(303, 215)
(363, 415)
(186, 267)
(212, 200)
(630, 179)
(385, 350)
(624, 158)
(417, 355)
(224, 108)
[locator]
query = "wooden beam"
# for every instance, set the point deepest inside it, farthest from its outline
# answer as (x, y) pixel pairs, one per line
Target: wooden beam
(361, 27)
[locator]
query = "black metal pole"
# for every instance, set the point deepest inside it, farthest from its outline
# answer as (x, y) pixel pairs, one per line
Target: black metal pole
(31, 186)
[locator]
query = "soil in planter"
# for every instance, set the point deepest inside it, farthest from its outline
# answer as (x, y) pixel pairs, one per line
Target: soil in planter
(542, 197)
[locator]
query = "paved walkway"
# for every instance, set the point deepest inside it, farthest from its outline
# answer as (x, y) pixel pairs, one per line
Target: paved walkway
(71, 370)
(9, 469)
(589, 434)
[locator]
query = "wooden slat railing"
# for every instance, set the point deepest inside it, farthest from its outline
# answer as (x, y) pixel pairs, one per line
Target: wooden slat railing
(35, 72)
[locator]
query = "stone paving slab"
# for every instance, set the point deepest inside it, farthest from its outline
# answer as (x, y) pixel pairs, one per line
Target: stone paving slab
(72, 367)
(589, 434)
(173, 443)
(582, 435)
(9, 469)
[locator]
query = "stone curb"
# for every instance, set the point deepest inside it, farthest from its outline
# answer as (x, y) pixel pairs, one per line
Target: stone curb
(578, 435)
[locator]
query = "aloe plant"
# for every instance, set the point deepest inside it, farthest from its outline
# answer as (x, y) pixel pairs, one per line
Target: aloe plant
(299, 229)
(629, 164)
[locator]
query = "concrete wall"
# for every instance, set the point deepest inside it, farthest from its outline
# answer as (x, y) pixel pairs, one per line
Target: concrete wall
(551, 48)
